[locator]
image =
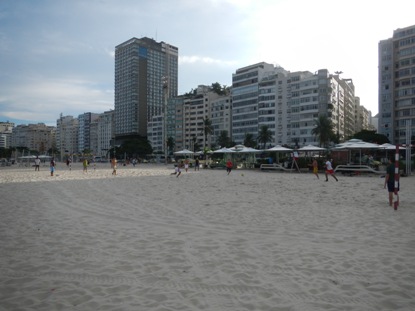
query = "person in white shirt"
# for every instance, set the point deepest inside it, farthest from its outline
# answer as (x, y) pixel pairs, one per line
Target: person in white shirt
(37, 164)
(329, 170)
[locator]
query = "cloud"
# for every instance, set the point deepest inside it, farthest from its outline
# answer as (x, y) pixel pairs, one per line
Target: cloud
(204, 60)
(45, 99)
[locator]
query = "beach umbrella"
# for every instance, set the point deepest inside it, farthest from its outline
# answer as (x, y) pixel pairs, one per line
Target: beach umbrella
(388, 146)
(311, 148)
(356, 144)
(223, 150)
(183, 152)
(278, 149)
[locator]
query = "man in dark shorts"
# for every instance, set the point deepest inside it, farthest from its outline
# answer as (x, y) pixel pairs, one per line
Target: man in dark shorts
(390, 179)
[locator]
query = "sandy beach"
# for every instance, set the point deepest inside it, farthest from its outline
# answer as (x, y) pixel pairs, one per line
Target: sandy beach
(146, 240)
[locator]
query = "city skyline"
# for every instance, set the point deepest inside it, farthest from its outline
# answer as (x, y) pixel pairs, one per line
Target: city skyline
(58, 56)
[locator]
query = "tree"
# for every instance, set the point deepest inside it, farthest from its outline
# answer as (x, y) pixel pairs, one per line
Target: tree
(323, 130)
(207, 128)
(223, 139)
(170, 144)
(219, 89)
(249, 140)
(135, 147)
(371, 137)
(264, 135)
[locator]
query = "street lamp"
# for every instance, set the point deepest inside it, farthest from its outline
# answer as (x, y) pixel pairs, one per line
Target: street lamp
(165, 80)
(338, 73)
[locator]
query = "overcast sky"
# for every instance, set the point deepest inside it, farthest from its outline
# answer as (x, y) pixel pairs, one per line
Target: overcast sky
(57, 56)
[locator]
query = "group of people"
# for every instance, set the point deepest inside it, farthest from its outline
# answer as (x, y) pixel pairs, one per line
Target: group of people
(389, 178)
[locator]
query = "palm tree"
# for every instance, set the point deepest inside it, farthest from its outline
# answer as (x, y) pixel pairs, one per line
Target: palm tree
(223, 139)
(207, 128)
(264, 135)
(249, 140)
(323, 130)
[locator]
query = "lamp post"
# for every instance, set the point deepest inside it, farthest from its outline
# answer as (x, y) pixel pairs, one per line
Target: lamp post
(165, 80)
(338, 73)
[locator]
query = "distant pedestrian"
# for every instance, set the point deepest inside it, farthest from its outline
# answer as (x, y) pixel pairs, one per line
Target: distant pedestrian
(37, 164)
(390, 180)
(229, 166)
(197, 163)
(186, 165)
(315, 168)
(329, 170)
(114, 166)
(179, 168)
(52, 166)
(85, 165)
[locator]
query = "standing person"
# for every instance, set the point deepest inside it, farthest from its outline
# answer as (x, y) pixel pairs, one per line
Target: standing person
(197, 164)
(329, 170)
(186, 165)
(114, 166)
(85, 164)
(37, 164)
(229, 166)
(315, 168)
(52, 166)
(390, 179)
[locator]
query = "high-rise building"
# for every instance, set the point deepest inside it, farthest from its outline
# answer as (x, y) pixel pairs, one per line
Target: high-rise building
(84, 131)
(397, 85)
(144, 69)
(245, 99)
(67, 136)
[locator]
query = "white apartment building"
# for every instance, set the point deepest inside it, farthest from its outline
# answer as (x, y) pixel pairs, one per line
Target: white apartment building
(6, 129)
(67, 136)
(221, 117)
(245, 88)
(37, 137)
(397, 85)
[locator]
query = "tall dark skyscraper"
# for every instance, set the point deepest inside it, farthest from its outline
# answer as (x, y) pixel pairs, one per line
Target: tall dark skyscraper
(143, 68)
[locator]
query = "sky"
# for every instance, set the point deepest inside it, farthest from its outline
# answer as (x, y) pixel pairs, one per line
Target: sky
(57, 56)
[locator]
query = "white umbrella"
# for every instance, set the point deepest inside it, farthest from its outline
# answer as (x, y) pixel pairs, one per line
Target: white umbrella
(184, 152)
(279, 148)
(243, 149)
(356, 144)
(388, 146)
(223, 150)
(311, 148)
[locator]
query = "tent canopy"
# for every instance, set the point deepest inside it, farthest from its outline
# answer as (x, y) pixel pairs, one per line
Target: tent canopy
(183, 152)
(279, 148)
(311, 148)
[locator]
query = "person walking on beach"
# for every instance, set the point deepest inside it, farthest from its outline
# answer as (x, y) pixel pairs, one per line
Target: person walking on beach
(52, 166)
(186, 165)
(329, 170)
(315, 168)
(114, 166)
(85, 165)
(390, 179)
(179, 168)
(37, 164)
(197, 164)
(229, 166)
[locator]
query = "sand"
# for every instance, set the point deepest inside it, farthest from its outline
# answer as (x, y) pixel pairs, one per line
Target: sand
(146, 240)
